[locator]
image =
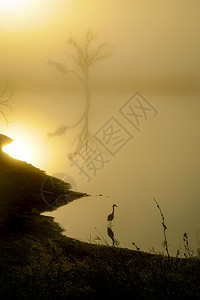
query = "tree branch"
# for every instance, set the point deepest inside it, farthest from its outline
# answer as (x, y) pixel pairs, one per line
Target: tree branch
(100, 57)
(97, 52)
(5, 97)
(90, 37)
(78, 76)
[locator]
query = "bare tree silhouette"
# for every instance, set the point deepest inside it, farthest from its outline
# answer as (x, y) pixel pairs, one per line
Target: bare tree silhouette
(84, 57)
(5, 99)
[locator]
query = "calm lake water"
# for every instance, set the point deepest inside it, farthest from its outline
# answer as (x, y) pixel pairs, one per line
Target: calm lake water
(154, 154)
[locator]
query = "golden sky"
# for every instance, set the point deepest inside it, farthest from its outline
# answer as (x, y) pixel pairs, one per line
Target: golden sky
(155, 42)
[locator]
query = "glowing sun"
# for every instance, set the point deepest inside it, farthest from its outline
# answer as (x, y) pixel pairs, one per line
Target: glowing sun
(28, 145)
(20, 150)
(13, 4)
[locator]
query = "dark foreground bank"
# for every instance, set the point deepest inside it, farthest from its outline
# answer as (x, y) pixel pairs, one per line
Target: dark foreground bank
(40, 263)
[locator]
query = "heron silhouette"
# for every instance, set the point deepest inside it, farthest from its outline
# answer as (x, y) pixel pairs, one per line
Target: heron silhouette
(111, 235)
(111, 216)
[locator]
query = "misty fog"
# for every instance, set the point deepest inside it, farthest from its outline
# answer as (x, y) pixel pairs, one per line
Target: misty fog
(153, 56)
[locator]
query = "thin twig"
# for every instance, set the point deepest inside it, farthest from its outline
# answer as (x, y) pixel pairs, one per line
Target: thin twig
(164, 230)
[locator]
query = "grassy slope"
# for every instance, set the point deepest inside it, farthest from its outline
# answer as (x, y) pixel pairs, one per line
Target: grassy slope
(38, 262)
